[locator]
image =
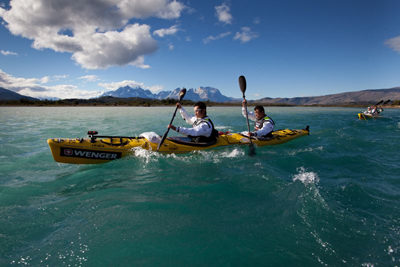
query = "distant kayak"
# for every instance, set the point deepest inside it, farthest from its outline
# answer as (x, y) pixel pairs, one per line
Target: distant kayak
(102, 149)
(363, 116)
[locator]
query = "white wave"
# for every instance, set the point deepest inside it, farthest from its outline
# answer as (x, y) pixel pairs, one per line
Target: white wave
(309, 149)
(235, 153)
(217, 155)
(149, 155)
(223, 127)
(306, 177)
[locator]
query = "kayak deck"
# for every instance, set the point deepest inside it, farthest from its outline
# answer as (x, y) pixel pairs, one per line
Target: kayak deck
(99, 149)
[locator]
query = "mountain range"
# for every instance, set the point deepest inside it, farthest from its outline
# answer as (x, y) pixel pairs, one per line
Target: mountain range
(199, 94)
(359, 97)
(214, 95)
(10, 95)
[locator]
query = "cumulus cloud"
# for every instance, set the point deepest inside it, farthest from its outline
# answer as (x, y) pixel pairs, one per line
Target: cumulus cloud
(170, 31)
(222, 13)
(89, 78)
(115, 85)
(45, 79)
(213, 38)
(98, 33)
(394, 43)
(32, 87)
(246, 35)
(8, 53)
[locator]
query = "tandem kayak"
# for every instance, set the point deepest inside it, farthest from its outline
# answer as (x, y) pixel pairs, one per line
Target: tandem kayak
(101, 149)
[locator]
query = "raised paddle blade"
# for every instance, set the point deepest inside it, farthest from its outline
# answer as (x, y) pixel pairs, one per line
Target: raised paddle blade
(387, 101)
(242, 84)
(181, 95)
(380, 102)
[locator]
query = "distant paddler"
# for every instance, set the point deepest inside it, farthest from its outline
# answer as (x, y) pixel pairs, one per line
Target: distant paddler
(263, 124)
(202, 130)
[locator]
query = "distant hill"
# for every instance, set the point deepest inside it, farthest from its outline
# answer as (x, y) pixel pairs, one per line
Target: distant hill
(200, 94)
(6, 95)
(359, 97)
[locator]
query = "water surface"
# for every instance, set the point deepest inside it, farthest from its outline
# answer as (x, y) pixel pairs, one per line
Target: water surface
(329, 199)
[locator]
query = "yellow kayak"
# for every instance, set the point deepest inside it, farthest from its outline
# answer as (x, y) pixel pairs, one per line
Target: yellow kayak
(101, 149)
(363, 116)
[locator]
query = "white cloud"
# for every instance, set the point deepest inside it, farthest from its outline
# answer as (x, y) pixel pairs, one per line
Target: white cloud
(96, 32)
(246, 35)
(32, 87)
(256, 20)
(103, 50)
(171, 47)
(163, 9)
(170, 31)
(45, 79)
(213, 38)
(222, 12)
(89, 78)
(394, 43)
(115, 85)
(8, 53)
(59, 77)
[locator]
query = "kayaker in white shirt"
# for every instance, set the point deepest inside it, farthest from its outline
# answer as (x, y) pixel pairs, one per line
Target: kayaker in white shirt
(263, 125)
(202, 126)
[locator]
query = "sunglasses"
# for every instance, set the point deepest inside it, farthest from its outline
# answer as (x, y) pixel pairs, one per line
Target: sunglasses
(197, 110)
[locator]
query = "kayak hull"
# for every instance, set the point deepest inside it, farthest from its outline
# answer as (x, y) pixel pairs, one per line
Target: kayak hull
(363, 116)
(103, 150)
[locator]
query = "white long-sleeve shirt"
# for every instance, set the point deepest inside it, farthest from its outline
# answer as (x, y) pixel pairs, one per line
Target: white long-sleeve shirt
(267, 126)
(203, 129)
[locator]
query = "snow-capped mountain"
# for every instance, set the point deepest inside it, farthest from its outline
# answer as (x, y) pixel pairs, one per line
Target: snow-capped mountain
(199, 94)
(127, 91)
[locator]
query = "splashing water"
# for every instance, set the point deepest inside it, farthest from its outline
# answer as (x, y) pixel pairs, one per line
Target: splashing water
(306, 177)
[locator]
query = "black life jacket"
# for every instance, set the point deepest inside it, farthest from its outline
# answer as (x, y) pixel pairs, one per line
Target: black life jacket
(205, 139)
(260, 123)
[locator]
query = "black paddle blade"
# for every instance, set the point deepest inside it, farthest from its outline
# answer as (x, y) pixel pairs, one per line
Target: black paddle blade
(387, 101)
(252, 150)
(182, 94)
(242, 84)
(379, 103)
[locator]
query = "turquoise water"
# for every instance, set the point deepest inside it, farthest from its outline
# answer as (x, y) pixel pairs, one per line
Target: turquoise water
(328, 199)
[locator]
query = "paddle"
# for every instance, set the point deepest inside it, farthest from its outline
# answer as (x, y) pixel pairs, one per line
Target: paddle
(242, 84)
(378, 103)
(387, 101)
(181, 95)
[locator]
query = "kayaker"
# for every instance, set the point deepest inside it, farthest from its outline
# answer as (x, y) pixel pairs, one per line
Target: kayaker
(263, 125)
(203, 129)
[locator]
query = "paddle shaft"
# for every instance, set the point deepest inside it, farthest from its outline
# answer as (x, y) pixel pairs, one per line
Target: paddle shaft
(181, 96)
(166, 133)
(247, 118)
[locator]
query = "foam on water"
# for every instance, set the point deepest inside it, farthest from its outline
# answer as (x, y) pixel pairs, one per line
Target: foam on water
(306, 177)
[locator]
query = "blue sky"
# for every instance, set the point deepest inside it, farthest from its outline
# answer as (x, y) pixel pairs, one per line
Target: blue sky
(286, 48)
